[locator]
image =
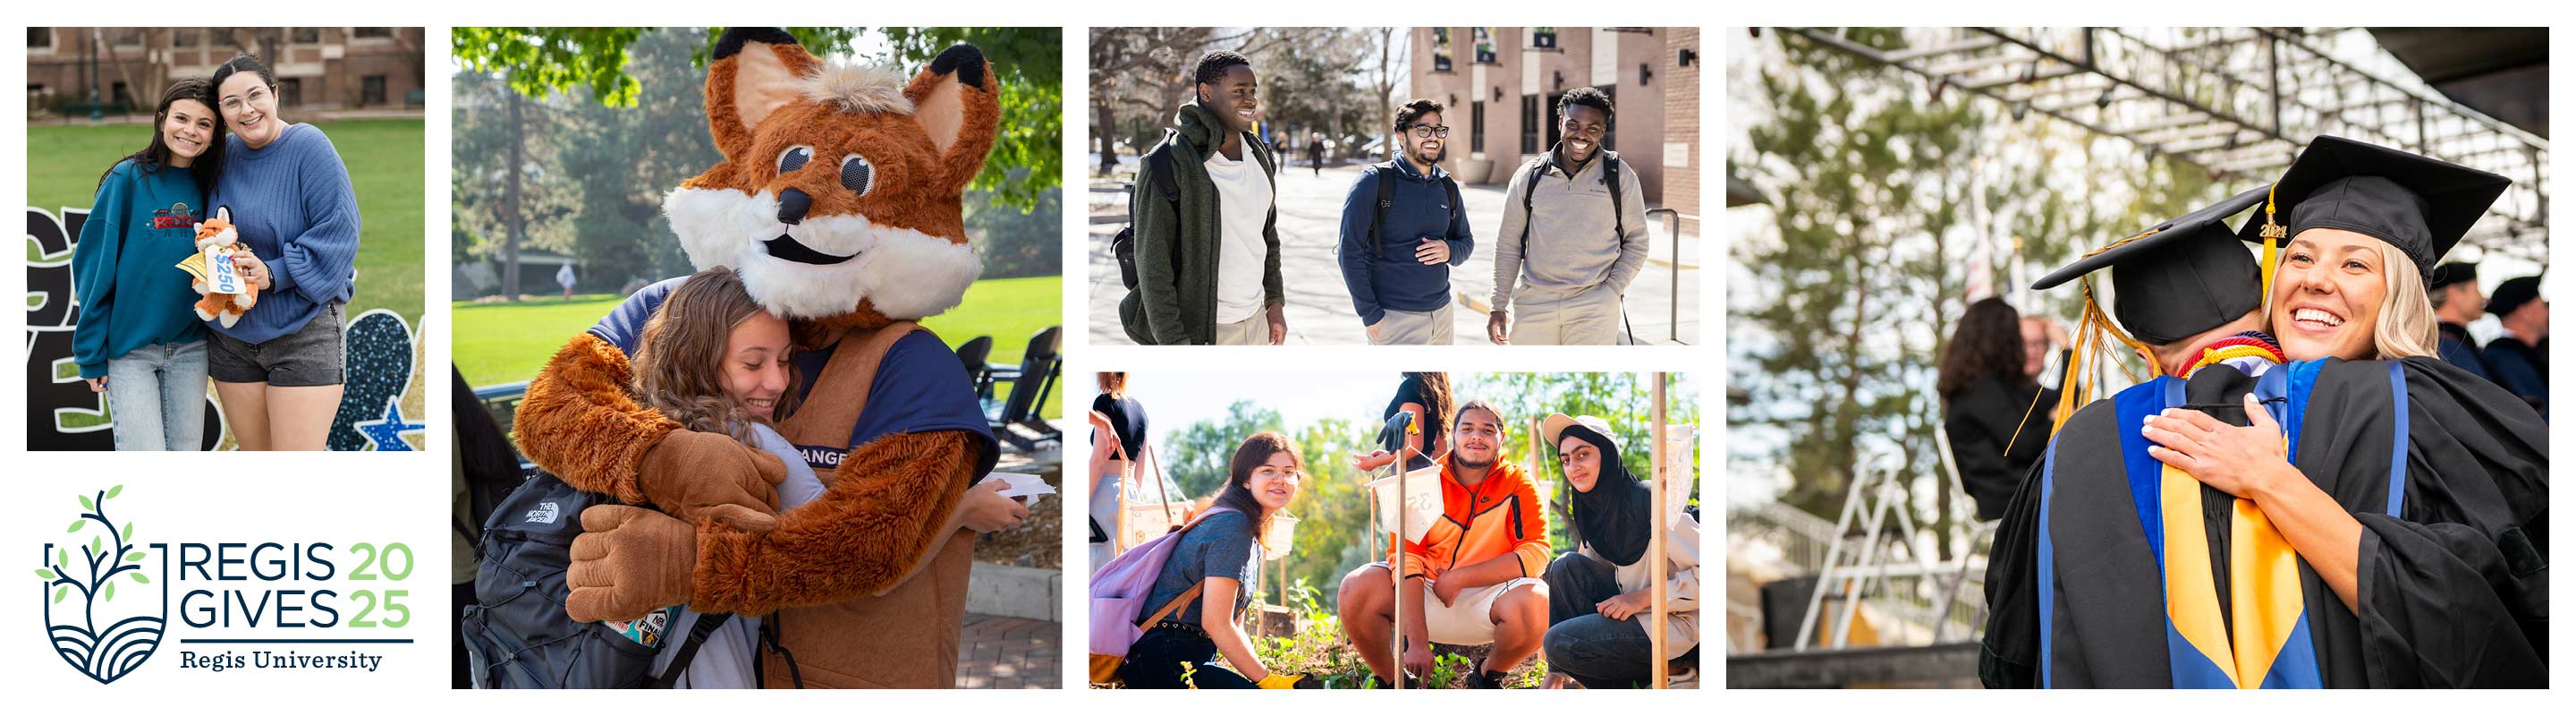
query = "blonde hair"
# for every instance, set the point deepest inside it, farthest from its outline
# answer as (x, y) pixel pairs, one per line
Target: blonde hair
(2406, 325)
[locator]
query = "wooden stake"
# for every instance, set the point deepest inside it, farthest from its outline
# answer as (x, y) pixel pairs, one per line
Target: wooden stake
(1656, 563)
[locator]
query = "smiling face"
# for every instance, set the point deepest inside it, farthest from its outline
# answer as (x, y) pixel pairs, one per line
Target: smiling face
(187, 128)
(2327, 295)
(1480, 438)
(1426, 149)
(1235, 98)
(1274, 482)
(1582, 462)
(1582, 130)
(249, 108)
(839, 196)
(755, 363)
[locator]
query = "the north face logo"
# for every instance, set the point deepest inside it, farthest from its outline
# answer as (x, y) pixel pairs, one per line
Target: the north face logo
(545, 513)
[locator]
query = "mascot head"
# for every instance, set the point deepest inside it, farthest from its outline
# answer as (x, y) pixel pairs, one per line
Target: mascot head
(837, 199)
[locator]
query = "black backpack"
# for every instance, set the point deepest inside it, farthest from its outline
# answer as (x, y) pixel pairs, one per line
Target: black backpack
(517, 634)
(1386, 200)
(1124, 244)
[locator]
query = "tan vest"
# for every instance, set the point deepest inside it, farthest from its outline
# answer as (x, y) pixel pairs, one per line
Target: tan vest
(906, 639)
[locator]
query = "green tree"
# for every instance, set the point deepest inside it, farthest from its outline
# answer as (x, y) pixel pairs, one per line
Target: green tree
(1025, 162)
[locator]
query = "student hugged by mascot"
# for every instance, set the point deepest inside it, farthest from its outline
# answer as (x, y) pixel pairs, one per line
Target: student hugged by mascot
(838, 203)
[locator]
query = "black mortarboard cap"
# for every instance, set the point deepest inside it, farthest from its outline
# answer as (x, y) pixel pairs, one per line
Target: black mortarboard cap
(2416, 203)
(2181, 278)
(2512, 294)
(2446, 274)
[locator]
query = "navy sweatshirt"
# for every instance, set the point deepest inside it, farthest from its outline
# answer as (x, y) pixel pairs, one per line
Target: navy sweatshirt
(1393, 279)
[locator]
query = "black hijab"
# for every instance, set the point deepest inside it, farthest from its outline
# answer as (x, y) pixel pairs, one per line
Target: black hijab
(1617, 516)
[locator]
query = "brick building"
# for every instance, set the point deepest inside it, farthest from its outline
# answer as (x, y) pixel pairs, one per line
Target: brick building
(320, 68)
(1501, 85)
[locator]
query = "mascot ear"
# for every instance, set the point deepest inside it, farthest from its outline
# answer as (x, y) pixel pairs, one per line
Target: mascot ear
(755, 71)
(954, 102)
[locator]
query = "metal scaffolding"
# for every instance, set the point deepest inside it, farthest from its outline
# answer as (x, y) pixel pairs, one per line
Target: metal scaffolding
(2239, 102)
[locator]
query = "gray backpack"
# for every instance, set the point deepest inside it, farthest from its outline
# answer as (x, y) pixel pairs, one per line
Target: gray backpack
(517, 634)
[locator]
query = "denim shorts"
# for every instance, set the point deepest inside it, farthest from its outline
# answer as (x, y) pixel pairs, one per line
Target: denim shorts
(310, 356)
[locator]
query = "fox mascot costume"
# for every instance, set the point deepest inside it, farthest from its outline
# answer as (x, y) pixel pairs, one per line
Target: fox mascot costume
(838, 202)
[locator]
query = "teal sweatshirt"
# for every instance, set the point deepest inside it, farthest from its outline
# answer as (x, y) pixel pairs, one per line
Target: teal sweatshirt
(125, 271)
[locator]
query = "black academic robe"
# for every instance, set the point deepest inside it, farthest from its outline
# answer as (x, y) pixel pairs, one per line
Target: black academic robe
(2453, 590)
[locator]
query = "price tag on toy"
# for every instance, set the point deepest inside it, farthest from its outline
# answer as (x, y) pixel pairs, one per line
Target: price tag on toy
(221, 275)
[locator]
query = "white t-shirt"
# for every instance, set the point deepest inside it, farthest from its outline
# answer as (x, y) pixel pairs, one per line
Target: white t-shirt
(1243, 203)
(725, 660)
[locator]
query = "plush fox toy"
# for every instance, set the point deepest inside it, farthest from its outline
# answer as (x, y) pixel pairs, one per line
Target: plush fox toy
(838, 202)
(217, 232)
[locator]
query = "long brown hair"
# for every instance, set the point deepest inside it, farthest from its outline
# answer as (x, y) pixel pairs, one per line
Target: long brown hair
(1115, 384)
(1437, 406)
(1256, 451)
(679, 364)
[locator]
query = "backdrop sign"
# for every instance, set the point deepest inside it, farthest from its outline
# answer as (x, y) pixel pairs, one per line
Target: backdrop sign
(62, 413)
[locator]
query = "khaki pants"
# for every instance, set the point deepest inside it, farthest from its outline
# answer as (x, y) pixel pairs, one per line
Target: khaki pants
(1415, 328)
(1586, 317)
(1254, 331)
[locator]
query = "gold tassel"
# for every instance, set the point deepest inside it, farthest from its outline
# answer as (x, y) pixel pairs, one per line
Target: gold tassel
(2272, 235)
(2090, 330)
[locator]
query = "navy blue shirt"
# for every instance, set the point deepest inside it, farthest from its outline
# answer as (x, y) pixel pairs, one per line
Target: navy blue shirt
(2459, 349)
(1392, 279)
(1220, 545)
(2521, 369)
(920, 385)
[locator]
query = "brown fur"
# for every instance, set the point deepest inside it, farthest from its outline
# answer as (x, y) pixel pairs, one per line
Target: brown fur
(579, 423)
(878, 517)
(212, 305)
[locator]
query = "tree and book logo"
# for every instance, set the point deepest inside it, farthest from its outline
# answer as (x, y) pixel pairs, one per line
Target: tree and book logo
(102, 637)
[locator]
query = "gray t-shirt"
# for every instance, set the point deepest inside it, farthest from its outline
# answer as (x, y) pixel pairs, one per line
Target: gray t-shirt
(1220, 545)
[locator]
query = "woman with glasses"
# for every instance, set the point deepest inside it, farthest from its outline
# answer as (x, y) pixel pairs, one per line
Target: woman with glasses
(278, 370)
(1402, 228)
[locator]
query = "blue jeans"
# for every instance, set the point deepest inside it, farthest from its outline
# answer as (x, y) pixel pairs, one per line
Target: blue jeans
(156, 395)
(1601, 652)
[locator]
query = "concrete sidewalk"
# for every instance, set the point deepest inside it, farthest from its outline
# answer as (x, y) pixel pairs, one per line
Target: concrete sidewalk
(1319, 305)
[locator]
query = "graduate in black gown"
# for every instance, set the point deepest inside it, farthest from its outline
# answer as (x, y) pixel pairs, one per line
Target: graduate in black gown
(2396, 536)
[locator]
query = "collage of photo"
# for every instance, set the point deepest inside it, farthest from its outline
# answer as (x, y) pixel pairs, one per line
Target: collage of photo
(2051, 358)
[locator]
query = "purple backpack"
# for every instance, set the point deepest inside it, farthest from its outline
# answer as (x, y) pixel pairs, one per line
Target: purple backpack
(1118, 594)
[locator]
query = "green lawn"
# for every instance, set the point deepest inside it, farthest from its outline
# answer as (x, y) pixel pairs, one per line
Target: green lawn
(384, 158)
(506, 342)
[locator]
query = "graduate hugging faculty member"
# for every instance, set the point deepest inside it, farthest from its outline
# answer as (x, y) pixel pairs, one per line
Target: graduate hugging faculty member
(2304, 496)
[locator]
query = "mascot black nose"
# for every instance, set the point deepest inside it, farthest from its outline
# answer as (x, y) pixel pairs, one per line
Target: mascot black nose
(792, 205)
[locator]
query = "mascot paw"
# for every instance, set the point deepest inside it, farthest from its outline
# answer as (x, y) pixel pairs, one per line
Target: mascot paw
(202, 315)
(628, 562)
(229, 319)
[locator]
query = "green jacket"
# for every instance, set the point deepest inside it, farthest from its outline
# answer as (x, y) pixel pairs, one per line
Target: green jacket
(1177, 247)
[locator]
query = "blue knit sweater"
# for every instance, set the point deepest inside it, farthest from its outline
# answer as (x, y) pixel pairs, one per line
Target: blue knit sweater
(1391, 278)
(292, 203)
(125, 269)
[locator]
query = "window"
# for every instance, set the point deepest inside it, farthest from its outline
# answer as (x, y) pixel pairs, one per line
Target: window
(1532, 124)
(1476, 127)
(290, 91)
(304, 35)
(184, 37)
(372, 33)
(371, 90)
(1440, 49)
(117, 93)
(38, 37)
(1543, 38)
(1485, 46)
(125, 37)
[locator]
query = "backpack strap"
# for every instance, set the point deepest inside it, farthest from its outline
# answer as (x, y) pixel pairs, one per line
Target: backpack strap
(1529, 193)
(1385, 201)
(1165, 180)
(706, 625)
(1610, 176)
(1457, 206)
(1176, 604)
(831, 410)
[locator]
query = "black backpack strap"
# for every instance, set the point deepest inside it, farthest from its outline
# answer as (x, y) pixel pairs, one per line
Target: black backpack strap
(1457, 206)
(706, 624)
(1164, 179)
(1618, 210)
(1385, 201)
(1529, 192)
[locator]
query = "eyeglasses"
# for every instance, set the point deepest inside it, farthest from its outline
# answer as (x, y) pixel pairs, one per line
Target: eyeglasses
(1427, 131)
(235, 105)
